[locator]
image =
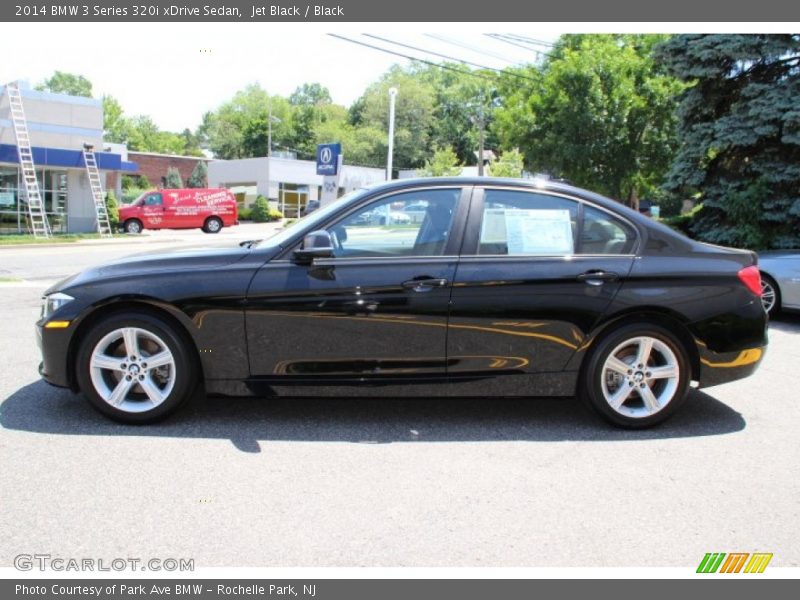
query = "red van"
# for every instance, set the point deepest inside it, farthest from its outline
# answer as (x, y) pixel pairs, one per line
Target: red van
(209, 209)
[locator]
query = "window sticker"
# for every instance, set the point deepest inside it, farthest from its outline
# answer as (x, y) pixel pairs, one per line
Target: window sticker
(538, 231)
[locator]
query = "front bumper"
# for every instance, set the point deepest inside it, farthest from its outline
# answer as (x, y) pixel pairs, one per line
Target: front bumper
(54, 347)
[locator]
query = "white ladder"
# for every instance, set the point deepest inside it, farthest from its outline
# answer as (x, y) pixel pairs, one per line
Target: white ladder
(39, 224)
(100, 208)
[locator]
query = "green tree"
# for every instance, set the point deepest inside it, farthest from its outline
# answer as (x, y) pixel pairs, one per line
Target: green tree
(61, 82)
(443, 163)
(112, 207)
(414, 110)
(199, 176)
(239, 128)
(600, 112)
(510, 164)
(174, 180)
(115, 125)
(739, 136)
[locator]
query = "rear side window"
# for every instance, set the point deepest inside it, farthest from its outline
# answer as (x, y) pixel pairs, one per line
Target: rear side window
(603, 233)
(527, 223)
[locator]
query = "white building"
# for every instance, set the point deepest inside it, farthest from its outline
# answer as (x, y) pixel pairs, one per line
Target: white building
(288, 183)
(59, 126)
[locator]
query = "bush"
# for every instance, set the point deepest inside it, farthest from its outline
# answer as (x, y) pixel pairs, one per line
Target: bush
(113, 209)
(245, 214)
(273, 214)
(132, 194)
(174, 180)
(260, 211)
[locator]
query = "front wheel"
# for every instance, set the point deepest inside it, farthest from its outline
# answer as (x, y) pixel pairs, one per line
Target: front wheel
(135, 368)
(133, 226)
(637, 376)
(212, 225)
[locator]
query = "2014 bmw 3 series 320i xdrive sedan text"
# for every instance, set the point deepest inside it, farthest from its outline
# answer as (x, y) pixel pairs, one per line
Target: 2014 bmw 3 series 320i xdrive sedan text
(427, 287)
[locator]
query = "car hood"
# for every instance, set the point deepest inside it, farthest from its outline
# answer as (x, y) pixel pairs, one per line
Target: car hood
(149, 263)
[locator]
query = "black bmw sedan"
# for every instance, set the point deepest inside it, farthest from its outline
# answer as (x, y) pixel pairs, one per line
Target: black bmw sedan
(487, 287)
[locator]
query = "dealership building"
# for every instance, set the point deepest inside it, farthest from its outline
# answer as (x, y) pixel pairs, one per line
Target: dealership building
(59, 126)
(288, 183)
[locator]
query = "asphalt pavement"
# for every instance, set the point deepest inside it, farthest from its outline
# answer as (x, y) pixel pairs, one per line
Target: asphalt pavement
(384, 481)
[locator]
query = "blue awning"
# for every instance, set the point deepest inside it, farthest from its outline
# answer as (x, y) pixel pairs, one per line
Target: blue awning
(60, 157)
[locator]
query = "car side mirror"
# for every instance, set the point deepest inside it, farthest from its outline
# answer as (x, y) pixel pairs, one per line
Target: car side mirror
(317, 244)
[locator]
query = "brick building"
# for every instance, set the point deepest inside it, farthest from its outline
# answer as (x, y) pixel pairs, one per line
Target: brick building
(154, 166)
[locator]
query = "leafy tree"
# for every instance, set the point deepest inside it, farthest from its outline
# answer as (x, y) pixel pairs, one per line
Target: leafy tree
(112, 207)
(115, 125)
(414, 108)
(199, 176)
(61, 82)
(443, 163)
(599, 112)
(174, 180)
(740, 136)
(239, 128)
(510, 164)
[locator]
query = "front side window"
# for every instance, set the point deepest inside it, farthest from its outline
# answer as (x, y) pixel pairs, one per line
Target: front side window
(417, 223)
(526, 223)
(153, 200)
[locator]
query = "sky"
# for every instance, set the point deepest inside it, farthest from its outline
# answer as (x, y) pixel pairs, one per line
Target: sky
(176, 72)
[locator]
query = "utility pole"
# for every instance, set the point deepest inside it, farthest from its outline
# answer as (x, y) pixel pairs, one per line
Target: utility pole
(390, 153)
(480, 139)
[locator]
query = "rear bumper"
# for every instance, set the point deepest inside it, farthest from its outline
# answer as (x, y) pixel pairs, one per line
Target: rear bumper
(722, 367)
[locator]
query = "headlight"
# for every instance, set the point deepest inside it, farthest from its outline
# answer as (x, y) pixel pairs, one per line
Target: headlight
(53, 302)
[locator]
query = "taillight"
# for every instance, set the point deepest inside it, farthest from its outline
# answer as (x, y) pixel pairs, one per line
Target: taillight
(751, 277)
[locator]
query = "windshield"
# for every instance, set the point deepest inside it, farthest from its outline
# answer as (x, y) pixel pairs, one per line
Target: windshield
(307, 223)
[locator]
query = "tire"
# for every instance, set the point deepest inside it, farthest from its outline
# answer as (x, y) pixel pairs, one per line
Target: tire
(212, 225)
(614, 386)
(133, 226)
(770, 295)
(108, 377)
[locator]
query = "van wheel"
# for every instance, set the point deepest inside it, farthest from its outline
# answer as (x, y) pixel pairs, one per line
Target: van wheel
(133, 226)
(636, 376)
(212, 225)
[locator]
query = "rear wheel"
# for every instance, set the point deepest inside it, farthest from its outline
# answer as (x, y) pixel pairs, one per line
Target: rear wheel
(212, 225)
(637, 376)
(770, 295)
(133, 226)
(135, 368)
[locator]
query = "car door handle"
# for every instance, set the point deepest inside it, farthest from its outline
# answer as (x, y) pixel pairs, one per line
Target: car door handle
(424, 284)
(597, 277)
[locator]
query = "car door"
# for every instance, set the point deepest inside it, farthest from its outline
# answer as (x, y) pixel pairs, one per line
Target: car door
(537, 271)
(376, 310)
(153, 214)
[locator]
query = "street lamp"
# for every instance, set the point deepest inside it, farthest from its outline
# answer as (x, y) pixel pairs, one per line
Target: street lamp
(270, 121)
(389, 154)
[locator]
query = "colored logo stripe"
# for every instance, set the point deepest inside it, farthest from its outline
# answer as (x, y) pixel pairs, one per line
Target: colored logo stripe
(711, 562)
(735, 561)
(758, 562)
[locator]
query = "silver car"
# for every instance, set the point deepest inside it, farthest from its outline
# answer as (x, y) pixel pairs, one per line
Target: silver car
(780, 280)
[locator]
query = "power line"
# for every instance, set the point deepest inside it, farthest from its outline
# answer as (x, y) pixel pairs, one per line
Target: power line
(471, 48)
(446, 57)
(421, 60)
(529, 40)
(501, 38)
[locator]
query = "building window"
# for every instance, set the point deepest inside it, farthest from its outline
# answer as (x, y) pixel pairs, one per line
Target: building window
(53, 187)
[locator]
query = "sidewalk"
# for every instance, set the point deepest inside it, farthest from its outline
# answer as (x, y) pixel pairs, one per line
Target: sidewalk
(235, 234)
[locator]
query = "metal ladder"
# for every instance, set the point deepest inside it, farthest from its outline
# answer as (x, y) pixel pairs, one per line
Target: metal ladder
(100, 208)
(39, 225)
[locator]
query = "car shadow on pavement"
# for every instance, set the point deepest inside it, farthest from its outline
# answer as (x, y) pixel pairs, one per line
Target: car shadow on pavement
(246, 422)
(786, 321)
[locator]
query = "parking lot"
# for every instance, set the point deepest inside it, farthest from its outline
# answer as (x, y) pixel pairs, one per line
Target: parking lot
(383, 481)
